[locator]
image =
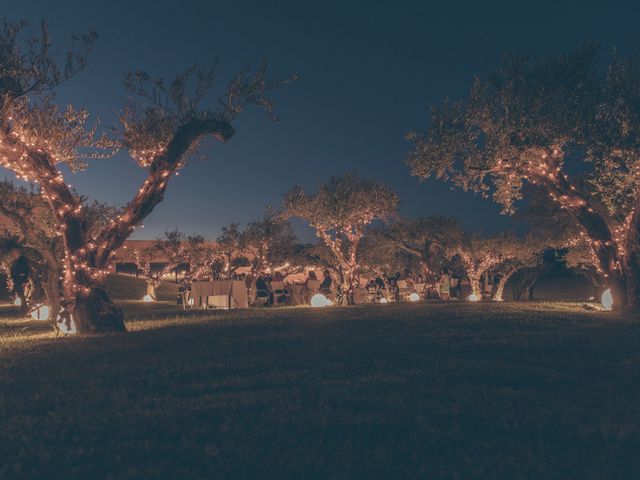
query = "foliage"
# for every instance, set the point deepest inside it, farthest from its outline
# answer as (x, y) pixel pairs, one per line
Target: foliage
(162, 124)
(529, 120)
(171, 247)
(432, 240)
(269, 243)
(339, 211)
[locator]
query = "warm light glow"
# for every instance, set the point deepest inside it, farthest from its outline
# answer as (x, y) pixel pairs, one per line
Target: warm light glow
(607, 299)
(147, 298)
(17, 302)
(473, 298)
(414, 297)
(40, 312)
(319, 300)
(384, 300)
(191, 301)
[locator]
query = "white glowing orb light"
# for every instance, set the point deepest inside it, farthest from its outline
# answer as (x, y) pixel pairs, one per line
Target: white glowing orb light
(191, 302)
(607, 299)
(40, 312)
(17, 302)
(319, 300)
(147, 298)
(384, 300)
(414, 297)
(473, 298)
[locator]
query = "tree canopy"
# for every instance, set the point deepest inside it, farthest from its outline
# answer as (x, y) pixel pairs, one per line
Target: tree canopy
(531, 117)
(339, 211)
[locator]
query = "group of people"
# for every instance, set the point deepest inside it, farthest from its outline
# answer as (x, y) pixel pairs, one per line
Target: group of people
(272, 289)
(451, 286)
(268, 289)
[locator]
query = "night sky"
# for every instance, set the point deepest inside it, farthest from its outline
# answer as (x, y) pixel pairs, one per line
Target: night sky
(367, 75)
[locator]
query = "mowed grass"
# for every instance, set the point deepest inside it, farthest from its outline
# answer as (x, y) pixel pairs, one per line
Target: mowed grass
(455, 390)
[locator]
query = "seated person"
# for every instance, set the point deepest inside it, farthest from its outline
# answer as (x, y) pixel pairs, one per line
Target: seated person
(312, 281)
(325, 286)
(263, 290)
(445, 285)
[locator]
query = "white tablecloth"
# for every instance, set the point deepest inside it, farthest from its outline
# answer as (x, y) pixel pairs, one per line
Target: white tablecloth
(235, 290)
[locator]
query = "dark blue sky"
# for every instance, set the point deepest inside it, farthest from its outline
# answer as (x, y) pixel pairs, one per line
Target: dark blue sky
(367, 75)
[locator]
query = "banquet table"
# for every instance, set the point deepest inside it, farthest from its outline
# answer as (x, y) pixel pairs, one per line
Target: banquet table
(220, 293)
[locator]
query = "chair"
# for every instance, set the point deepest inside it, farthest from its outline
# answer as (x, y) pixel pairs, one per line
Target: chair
(261, 298)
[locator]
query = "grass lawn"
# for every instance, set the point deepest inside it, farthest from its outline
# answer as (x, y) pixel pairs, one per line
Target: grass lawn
(454, 390)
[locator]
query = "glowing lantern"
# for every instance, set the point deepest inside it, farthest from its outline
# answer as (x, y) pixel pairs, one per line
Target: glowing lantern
(384, 300)
(147, 298)
(191, 302)
(17, 302)
(473, 298)
(40, 312)
(414, 297)
(319, 300)
(607, 299)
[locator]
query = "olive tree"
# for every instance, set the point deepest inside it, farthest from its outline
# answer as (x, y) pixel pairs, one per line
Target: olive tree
(172, 247)
(519, 254)
(339, 211)
(480, 255)
(161, 126)
(33, 228)
(430, 240)
(269, 243)
(530, 121)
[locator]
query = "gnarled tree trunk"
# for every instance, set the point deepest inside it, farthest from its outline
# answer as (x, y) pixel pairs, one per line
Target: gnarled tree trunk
(95, 312)
(498, 295)
(474, 281)
(52, 290)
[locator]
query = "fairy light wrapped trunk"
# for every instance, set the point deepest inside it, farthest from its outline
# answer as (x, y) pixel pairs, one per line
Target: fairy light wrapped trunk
(160, 128)
(339, 212)
(431, 240)
(530, 118)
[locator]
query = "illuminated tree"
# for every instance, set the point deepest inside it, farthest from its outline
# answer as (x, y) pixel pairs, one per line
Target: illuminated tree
(560, 233)
(317, 257)
(229, 249)
(269, 243)
(33, 228)
(479, 255)
(379, 256)
(161, 127)
(429, 239)
(33, 233)
(531, 120)
(339, 212)
(172, 248)
(200, 255)
(518, 254)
